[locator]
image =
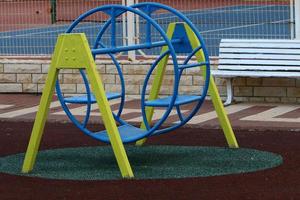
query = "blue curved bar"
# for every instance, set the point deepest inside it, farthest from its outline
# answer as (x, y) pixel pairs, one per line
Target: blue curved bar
(157, 6)
(133, 47)
(143, 94)
(171, 52)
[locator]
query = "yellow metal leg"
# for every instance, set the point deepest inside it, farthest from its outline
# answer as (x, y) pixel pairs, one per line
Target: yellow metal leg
(214, 94)
(222, 116)
(72, 52)
(157, 82)
(40, 121)
(109, 122)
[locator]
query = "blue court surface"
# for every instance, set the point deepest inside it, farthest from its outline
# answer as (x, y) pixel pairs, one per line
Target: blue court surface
(264, 21)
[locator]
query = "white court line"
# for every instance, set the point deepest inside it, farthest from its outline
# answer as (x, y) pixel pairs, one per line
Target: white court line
(236, 27)
(271, 114)
(3, 106)
(212, 115)
(41, 32)
(26, 111)
(224, 9)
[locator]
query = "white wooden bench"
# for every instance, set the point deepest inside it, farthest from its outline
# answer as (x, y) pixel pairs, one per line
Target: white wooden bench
(257, 58)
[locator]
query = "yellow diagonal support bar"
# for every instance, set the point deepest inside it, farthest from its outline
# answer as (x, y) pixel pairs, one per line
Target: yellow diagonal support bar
(72, 52)
(214, 94)
(157, 82)
(40, 121)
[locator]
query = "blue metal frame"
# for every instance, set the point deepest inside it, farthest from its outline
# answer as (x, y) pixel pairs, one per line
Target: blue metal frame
(87, 87)
(121, 9)
(156, 6)
(143, 10)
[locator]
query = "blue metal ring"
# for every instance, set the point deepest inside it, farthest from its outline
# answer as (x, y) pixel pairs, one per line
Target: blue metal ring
(171, 49)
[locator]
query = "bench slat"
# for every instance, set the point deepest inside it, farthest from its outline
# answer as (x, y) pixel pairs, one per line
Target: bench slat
(259, 62)
(258, 68)
(228, 73)
(259, 56)
(260, 40)
(262, 45)
(265, 51)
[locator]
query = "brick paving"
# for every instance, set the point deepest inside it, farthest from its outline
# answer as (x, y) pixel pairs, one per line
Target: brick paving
(248, 116)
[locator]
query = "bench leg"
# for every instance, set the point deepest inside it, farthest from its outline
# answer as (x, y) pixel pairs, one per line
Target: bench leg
(229, 92)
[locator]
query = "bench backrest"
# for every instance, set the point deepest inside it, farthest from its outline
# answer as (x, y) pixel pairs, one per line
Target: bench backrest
(258, 54)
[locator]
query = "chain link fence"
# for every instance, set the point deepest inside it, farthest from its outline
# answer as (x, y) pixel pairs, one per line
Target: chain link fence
(30, 28)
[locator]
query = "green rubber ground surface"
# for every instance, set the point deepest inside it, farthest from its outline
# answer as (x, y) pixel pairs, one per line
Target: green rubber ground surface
(148, 162)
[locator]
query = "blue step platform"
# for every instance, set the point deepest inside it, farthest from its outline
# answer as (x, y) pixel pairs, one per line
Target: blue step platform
(83, 99)
(165, 102)
(127, 132)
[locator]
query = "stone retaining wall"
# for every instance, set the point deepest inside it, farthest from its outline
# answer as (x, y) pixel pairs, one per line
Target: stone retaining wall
(28, 76)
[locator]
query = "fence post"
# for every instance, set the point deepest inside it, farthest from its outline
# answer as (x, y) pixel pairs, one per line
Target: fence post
(297, 19)
(292, 19)
(130, 31)
(53, 11)
(124, 28)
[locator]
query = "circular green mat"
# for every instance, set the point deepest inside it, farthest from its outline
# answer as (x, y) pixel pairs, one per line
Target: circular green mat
(148, 162)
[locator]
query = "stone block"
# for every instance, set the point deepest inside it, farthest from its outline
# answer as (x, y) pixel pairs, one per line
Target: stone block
(39, 78)
(166, 90)
(139, 69)
(8, 78)
(198, 80)
(132, 89)
(243, 91)
(170, 70)
(133, 79)
(1, 68)
(110, 69)
(168, 80)
(45, 68)
(114, 88)
(108, 78)
(220, 81)
(288, 99)
(68, 88)
(241, 99)
(22, 68)
(101, 68)
(24, 78)
(10, 87)
(195, 90)
(254, 81)
(72, 78)
(30, 88)
(239, 81)
(80, 88)
(186, 80)
(222, 91)
(270, 91)
(293, 92)
(256, 99)
(68, 71)
(40, 87)
(281, 82)
(194, 71)
(297, 82)
(273, 99)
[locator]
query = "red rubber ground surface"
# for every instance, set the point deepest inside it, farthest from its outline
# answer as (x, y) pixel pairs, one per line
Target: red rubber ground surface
(282, 182)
